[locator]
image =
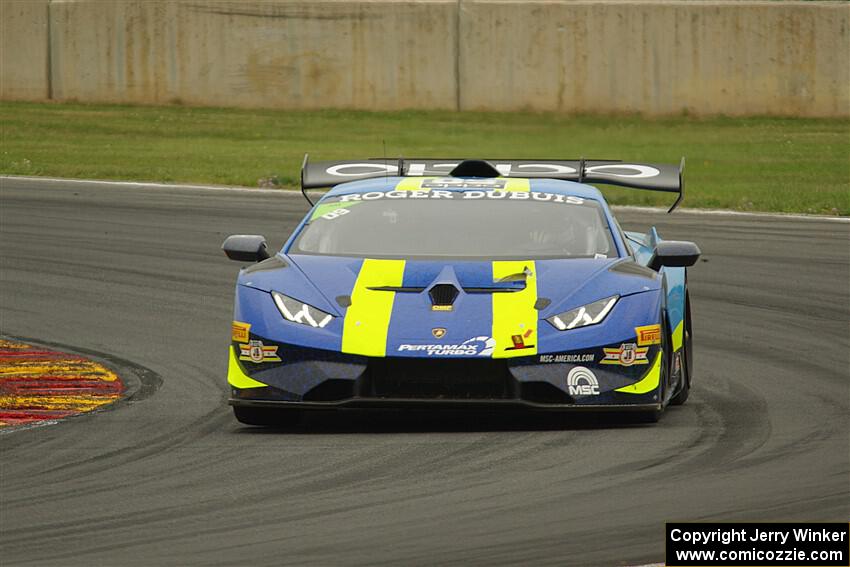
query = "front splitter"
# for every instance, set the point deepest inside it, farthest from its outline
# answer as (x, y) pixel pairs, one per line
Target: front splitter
(390, 403)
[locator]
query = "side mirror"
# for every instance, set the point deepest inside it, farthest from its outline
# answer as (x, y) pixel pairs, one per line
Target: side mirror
(674, 254)
(246, 247)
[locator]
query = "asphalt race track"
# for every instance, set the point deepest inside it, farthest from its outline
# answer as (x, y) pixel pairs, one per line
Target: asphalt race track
(171, 478)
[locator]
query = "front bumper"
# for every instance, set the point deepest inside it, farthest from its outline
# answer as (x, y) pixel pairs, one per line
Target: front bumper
(316, 379)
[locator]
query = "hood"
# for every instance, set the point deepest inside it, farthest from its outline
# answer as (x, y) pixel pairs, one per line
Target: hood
(463, 308)
(564, 283)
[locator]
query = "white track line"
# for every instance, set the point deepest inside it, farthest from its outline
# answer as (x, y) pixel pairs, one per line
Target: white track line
(146, 185)
(723, 212)
(294, 193)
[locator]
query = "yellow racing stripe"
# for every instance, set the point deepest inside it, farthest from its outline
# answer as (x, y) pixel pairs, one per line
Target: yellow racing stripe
(514, 315)
(236, 377)
(518, 185)
(412, 184)
(677, 337)
(649, 382)
(367, 320)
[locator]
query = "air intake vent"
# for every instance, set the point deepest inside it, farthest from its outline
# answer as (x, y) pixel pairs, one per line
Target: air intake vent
(475, 168)
(443, 294)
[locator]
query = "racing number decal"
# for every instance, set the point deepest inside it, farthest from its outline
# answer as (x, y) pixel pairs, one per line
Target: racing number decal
(364, 329)
(514, 315)
(330, 211)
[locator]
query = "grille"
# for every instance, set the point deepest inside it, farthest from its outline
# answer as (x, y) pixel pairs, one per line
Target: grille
(544, 393)
(443, 294)
(331, 391)
(463, 379)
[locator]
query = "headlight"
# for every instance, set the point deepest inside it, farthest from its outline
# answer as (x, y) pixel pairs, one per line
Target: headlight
(299, 312)
(589, 314)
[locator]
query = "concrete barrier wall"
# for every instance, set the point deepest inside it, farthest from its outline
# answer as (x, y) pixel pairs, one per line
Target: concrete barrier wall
(662, 57)
(659, 58)
(272, 54)
(23, 50)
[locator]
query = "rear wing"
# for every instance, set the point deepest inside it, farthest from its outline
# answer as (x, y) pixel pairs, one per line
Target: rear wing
(646, 176)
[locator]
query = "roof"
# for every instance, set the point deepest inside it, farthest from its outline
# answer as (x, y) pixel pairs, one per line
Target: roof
(543, 185)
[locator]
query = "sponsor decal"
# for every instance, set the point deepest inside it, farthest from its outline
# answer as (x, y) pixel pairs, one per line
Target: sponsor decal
(582, 382)
(477, 346)
(438, 332)
(416, 168)
(336, 213)
(648, 335)
(240, 331)
(519, 341)
(441, 308)
(561, 358)
(626, 355)
(465, 195)
(257, 352)
(460, 183)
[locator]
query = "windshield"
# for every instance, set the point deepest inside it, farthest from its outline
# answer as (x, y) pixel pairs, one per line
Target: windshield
(457, 224)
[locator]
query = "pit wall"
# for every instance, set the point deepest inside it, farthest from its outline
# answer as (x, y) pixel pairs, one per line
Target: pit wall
(656, 58)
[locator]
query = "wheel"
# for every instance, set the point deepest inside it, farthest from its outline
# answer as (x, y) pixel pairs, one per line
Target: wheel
(267, 417)
(687, 362)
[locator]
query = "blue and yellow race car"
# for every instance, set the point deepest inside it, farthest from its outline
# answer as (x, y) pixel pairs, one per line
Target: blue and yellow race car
(463, 283)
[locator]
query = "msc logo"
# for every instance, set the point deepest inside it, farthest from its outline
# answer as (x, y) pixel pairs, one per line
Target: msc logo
(582, 382)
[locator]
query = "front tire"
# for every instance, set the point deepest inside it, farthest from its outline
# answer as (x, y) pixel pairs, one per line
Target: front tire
(267, 417)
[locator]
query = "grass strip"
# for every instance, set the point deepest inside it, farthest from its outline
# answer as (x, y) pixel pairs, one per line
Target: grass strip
(793, 165)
